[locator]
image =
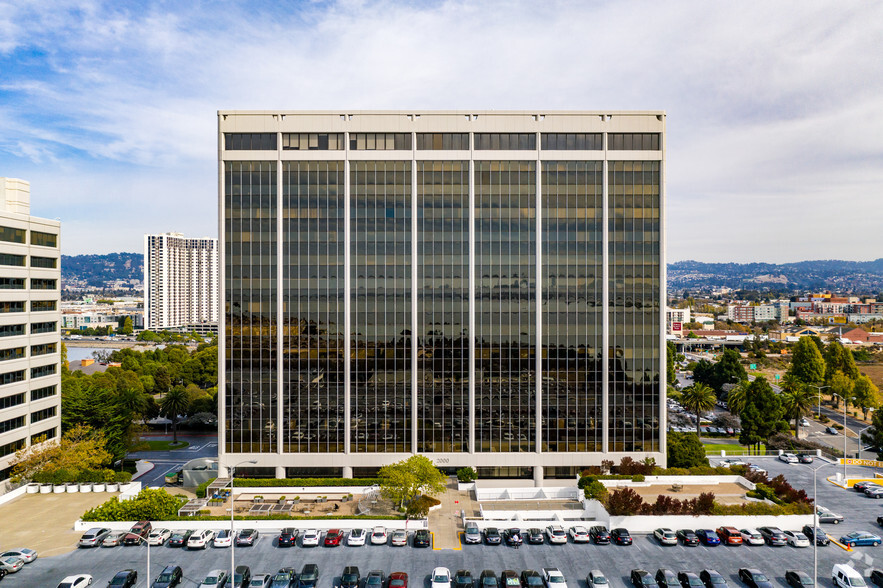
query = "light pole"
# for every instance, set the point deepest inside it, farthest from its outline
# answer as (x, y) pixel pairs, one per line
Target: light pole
(815, 523)
(232, 532)
(844, 433)
(819, 388)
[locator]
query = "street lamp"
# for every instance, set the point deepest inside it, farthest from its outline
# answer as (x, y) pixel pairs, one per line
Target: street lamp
(819, 388)
(232, 532)
(815, 523)
(844, 433)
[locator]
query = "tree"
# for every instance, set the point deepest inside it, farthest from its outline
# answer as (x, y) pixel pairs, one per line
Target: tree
(703, 372)
(797, 401)
(763, 414)
(807, 363)
(839, 359)
(729, 370)
(624, 502)
(81, 448)
(685, 451)
(698, 398)
(173, 404)
(841, 386)
(127, 328)
(406, 480)
(875, 435)
(737, 397)
(865, 395)
(670, 353)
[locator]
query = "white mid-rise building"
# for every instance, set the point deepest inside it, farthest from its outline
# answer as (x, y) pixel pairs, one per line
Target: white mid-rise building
(30, 343)
(180, 281)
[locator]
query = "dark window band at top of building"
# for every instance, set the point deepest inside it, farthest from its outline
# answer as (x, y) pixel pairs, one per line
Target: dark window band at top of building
(572, 141)
(250, 141)
(505, 141)
(12, 235)
(442, 141)
(633, 141)
(44, 239)
(380, 141)
(312, 142)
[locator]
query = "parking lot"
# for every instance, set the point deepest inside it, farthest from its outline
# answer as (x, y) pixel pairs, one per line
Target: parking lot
(574, 560)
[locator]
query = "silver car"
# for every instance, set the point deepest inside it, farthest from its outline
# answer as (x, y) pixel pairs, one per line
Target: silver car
(93, 537)
(214, 579)
(28, 555)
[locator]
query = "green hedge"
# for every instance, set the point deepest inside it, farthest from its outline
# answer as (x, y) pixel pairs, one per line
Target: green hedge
(80, 476)
(149, 505)
(280, 482)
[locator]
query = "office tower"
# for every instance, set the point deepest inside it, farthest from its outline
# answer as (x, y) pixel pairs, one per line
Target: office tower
(30, 340)
(180, 282)
(484, 288)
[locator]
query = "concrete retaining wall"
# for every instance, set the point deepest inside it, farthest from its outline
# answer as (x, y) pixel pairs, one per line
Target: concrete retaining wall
(273, 526)
(528, 493)
(646, 524)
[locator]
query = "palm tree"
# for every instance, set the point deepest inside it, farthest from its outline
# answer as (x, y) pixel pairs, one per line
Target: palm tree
(698, 398)
(798, 402)
(737, 398)
(174, 403)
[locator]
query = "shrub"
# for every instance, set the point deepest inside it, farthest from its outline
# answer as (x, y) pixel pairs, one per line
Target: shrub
(595, 490)
(638, 478)
(122, 477)
(201, 489)
(149, 505)
(420, 506)
(624, 502)
(467, 474)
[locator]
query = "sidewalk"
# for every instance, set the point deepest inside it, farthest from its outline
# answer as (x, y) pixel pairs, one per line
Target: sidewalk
(45, 522)
(446, 523)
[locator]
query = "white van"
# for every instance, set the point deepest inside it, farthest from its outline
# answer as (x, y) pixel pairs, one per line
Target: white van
(845, 576)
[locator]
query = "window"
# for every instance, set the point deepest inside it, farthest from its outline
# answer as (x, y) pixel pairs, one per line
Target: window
(572, 141)
(12, 330)
(312, 142)
(43, 370)
(50, 327)
(10, 259)
(43, 305)
(11, 448)
(44, 239)
(12, 283)
(12, 424)
(380, 141)
(47, 262)
(505, 141)
(44, 349)
(12, 353)
(633, 141)
(250, 141)
(12, 306)
(42, 415)
(442, 141)
(43, 284)
(10, 401)
(11, 235)
(45, 392)
(43, 436)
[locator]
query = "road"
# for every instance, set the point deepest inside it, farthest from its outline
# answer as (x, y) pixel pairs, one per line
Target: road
(171, 461)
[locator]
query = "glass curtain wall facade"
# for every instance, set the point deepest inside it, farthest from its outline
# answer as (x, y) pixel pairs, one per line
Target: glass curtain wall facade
(486, 298)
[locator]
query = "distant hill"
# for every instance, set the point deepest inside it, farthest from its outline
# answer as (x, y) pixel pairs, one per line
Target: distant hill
(858, 277)
(99, 271)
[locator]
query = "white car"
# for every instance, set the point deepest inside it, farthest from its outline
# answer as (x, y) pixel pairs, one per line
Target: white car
(159, 536)
(356, 537)
(554, 578)
(441, 578)
(751, 537)
(666, 536)
(223, 538)
(214, 579)
(200, 539)
(579, 534)
(76, 581)
(379, 537)
(23, 553)
(310, 538)
(797, 539)
(399, 538)
(732, 461)
(789, 458)
(596, 579)
(756, 469)
(556, 534)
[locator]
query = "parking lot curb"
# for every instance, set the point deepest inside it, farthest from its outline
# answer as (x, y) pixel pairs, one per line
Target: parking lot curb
(840, 545)
(838, 484)
(434, 548)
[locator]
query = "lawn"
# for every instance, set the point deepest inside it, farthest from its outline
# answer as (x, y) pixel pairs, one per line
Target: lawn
(166, 445)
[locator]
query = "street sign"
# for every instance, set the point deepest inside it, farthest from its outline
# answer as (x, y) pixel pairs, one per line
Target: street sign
(861, 462)
(753, 366)
(778, 377)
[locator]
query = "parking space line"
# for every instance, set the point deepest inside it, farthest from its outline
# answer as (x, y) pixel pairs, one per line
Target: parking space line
(434, 548)
(459, 541)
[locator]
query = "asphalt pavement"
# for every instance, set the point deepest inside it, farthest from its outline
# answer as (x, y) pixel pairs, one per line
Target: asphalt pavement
(202, 445)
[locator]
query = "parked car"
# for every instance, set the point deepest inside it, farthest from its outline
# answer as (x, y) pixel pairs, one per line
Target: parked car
(531, 579)
(399, 538)
(350, 578)
(309, 576)
(247, 537)
(375, 579)
(712, 579)
(179, 538)
(75, 581)
(379, 536)
(440, 578)
(642, 579)
(214, 579)
(773, 536)
(818, 534)
(860, 486)
(488, 579)
(513, 537)
(754, 578)
(492, 536)
(356, 537)
(260, 581)
(332, 538)
(169, 577)
(845, 576)
(732, 461)
(287, 537)
(665, 536)
(472, 534)
(708, 537)
(554, 578)
(241, 577)
(832, 431)
(535, 536)
(874, 491)
(687, 537)
(800, 579)
(400, 580)
(756, 469)
(788, 458)
(137, 533)
(599, 534)
(113, 539)
(667, 579)
(159, 536)
(93, 537)
(876, 577)
(620, 536)
(309, 538)
(509, 579)
(689, 580)
(12, 564)
(222, 538)
(797, 539)
(283, 578)
(596, 579)
(200, 539)
(462, 579)
(422, 538)
(804, 458)
(826, 516)
(123, 579)
(860, 538)
(579, 534)
(556, 534)
(730, 535)
(28, 555)
(752, 537)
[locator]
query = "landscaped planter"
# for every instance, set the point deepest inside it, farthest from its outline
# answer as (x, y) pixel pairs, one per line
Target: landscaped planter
(33, 488)
(124, 486)
(45, 488)
(72, 487)
(113, 487)
(98, 487)
(87, 487)
(59, 489)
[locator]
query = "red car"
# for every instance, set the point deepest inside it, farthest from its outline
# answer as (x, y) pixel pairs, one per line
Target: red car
(398, 580)
(137, 533)
(333, 537)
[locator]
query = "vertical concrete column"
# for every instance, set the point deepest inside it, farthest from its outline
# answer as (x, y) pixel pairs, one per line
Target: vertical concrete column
(280, 472)
(538, 475)
(605, 302)
(472, 374)
(347, 285)
(538, 280)
(280, 285)
(222, 308)
(346, 471)
(414, 306)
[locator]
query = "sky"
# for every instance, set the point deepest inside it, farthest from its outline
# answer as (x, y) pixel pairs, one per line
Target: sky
(774, 109)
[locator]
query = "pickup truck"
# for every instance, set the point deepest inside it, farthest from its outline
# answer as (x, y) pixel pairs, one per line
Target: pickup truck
(553, 578)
